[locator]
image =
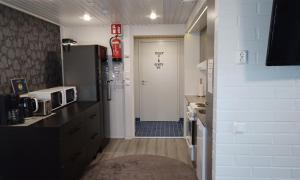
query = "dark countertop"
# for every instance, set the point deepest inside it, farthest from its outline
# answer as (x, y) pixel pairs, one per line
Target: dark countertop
(61, 116)
(64, 114)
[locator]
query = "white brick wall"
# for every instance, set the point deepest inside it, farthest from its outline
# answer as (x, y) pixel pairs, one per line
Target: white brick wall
(265, 99)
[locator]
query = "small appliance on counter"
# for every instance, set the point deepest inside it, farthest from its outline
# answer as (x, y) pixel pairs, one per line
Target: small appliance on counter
(45, 108)
(28, 106)
(59, 96)
(10, 111)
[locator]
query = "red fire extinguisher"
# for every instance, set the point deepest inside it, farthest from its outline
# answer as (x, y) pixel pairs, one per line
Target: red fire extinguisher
(116, 48)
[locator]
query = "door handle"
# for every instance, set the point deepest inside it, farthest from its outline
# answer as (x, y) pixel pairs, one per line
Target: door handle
(109, 90)
(143, 82)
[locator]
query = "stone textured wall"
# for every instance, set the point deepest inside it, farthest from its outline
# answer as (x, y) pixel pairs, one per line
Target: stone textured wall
(29, 48)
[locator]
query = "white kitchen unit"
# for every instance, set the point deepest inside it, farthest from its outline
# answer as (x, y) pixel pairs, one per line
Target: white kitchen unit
(201, 153)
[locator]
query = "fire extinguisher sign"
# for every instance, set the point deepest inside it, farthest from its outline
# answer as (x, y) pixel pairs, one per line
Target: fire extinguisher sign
(116, 29)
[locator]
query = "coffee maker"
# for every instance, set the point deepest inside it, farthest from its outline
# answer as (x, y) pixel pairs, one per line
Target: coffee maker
(10, 110)
(28, 105)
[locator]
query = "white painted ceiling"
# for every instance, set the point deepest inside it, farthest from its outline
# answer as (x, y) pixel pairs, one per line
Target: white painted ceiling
(104, 12)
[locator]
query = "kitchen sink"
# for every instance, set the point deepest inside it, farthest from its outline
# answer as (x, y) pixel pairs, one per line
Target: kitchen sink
(200, 104)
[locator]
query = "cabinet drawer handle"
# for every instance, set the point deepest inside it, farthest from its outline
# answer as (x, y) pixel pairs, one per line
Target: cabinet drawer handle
(94, 136)
(74, 130)
(92, 116)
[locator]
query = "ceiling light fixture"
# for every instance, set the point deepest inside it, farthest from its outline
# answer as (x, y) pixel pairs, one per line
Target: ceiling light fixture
(86, 17)
(197, 20)
(153, 15)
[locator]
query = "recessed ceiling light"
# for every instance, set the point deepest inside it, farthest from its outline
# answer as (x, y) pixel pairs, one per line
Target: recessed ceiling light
(153, 15)
(86, 17)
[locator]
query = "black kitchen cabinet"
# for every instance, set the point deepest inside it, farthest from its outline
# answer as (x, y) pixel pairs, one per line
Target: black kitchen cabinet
(56, 148)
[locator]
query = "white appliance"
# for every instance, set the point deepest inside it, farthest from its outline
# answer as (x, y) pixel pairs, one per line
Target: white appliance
(201, 151)
(190, 131)
(69, 94)
(59, 96)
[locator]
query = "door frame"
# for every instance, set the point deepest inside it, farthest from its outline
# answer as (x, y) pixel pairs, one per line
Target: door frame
(137, 73)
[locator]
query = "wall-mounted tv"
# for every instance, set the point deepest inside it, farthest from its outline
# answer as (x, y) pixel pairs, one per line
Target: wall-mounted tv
(284, 37)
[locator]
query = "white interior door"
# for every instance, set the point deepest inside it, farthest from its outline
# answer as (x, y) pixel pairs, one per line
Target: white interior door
(159, 80)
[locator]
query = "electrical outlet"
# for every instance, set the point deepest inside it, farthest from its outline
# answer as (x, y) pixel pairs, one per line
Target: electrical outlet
(242, 57)
(239, 128)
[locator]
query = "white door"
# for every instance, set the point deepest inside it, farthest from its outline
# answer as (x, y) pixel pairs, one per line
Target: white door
(159, 80)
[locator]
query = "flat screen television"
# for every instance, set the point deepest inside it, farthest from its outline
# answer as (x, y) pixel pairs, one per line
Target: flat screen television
(284, 37)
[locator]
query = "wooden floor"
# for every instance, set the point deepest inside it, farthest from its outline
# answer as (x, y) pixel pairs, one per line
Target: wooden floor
(172, 148)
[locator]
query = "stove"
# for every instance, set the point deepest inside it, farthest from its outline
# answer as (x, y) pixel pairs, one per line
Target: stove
(191, 116)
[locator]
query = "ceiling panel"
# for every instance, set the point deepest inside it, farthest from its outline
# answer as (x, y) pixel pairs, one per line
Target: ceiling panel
(132, 12)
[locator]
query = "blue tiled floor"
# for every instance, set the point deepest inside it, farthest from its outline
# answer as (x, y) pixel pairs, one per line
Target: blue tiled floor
(159, 128)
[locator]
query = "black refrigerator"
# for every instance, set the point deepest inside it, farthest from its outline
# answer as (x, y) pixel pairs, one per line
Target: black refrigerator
(85, 66)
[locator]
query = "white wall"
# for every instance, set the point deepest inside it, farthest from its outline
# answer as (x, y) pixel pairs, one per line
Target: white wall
(191, 54)
(265, 99)
(151, 30)
(191, 59)
(180, 73)
(86, 35)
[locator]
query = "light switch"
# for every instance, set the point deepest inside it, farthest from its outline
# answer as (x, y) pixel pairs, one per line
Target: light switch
(242, 57)
(239, 128)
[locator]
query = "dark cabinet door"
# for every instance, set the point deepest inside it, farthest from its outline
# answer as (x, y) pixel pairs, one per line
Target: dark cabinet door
(74, 166)
(51, 153)
(93, 131)
(72, 138)
(73, 153)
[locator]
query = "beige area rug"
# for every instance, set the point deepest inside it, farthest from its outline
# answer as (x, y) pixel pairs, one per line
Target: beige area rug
(141, 167)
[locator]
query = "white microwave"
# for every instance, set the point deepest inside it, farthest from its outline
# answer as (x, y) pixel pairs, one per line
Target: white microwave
(69, 94)
(59, 96)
